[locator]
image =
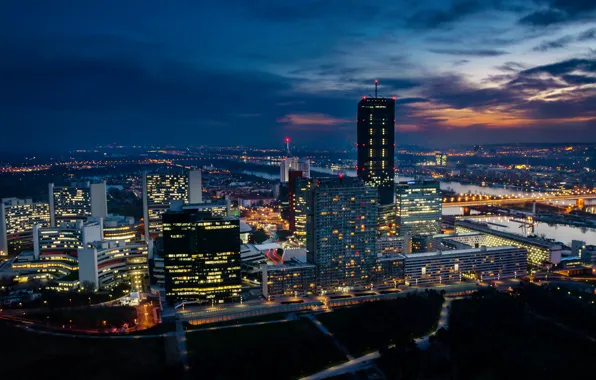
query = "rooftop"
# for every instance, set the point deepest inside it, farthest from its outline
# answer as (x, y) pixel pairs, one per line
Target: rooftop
(455, 252)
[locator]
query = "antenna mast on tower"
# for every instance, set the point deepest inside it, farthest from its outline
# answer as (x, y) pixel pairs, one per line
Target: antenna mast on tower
(376, 87)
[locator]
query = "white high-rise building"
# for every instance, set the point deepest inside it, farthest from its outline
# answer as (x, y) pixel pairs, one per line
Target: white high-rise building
(160, 189)
(294, 163)
(77, 202)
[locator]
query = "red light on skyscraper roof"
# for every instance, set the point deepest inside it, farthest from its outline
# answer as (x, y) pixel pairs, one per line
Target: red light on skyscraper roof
(393, 98)
(287, 139)
(376, 81)
(364, 98)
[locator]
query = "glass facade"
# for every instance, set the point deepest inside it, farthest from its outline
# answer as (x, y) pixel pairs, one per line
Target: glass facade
(376, 145)
(201, 256)
(418, 207)
(341, 231)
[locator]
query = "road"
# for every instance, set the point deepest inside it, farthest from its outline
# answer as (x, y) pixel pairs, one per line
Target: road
(424, 341)
(347, 367)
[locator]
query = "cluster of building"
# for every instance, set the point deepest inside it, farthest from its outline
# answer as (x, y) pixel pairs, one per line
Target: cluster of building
(350, 233)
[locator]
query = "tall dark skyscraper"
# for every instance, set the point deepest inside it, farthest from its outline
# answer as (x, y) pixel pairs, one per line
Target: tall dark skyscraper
(202, 256)
(376, 145)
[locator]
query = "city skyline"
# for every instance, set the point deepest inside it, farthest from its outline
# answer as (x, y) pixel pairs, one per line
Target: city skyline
(462, 72)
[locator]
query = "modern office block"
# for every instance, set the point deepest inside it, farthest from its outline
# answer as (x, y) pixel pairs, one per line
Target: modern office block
(121, 228)
(66, 238)
(442, 267)
(289, 278)
(418, 206)
(201, 256)
(376, 145)
(17, 218)
(79, 201)
(292, 182)
(301, 206)
(106, 264)
(54, 255)
(540, 252)
(160, 189)
(341, 231)
(393, 245)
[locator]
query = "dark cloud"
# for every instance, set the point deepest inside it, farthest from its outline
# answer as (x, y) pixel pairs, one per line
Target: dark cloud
(554, 44)
(543, 18)
(469, 52)
(512, 66)
(564, 67)
(433, 18)
(461, 62)
(410, 100)
(560, 11)
(587, 35)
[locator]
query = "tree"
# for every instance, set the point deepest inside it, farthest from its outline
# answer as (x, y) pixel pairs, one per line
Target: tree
(87, 286)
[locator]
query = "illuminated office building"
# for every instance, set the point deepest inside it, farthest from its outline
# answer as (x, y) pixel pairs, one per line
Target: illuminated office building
(160, 189)
(121, 228)
(376, 145)
(301, 207)
(540, 252)
(292, 182)
(66, 238)
(341, 231)
(17, 218)
(440, 159)
(201, 256)
(79, 201)
(290, 278)
(443, 267)
(106, 264)
(54, 254)
(418, 206)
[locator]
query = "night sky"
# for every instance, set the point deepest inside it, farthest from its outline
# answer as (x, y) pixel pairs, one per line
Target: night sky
(82, 73)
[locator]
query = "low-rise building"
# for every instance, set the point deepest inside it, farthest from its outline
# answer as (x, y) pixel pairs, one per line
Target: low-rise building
(540, 252)
(450, 241)
(289, 278)
(484, 263)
